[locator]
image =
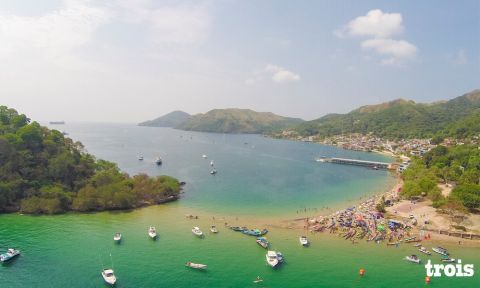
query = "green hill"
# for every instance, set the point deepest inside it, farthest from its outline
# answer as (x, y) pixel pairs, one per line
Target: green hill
(237, 121)
(42, 171)
(403, 119)
(171, 119)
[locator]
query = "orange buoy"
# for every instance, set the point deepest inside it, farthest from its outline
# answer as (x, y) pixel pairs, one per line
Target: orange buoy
(427, 279)
(361, 272)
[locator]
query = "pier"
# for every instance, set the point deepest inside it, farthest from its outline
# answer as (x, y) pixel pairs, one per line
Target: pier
(355, 162)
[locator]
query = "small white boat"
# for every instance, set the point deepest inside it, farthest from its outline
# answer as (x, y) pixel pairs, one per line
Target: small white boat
(258, 280)
(196, 265)
(117, 237)
(424, 250)
(152, 232)
(449, 260)
(211, 163)
(213, 172)
(413, 258)
(272, 258)
(109, 277)
(9, 255)
(417, 245)
(204, 156)
(140, 158)
(440, 250)
(213, 229)
(197, 231)
(303, 240)
(158, 161)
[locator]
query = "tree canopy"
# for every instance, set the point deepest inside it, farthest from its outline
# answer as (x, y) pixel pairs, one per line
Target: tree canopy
(41, 171)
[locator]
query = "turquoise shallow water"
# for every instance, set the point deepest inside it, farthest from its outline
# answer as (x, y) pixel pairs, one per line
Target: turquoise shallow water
(259, 184)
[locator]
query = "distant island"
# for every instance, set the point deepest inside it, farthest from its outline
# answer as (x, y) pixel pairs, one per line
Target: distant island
(230, 120)
(43, 172)
(172, 119)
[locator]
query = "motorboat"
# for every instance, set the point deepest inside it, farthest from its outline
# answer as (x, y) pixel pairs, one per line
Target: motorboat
(196, 265)
(238, 229)
(413, 258)
(211, 163)
(303, 240)
(255, 232)
(197, 231)
(262, 241)
(424, 250)
(440, 250)
(117, 237)
(448, 260)
(213, 229)
(9, 255)
(213, 172)
(152, 232)
(258, 280)
(158, 161)
(204, 156)
(272, 258)
(109, 276)
(140, 158)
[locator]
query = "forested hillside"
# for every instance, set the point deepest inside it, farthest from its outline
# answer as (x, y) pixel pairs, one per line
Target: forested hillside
(41, 171)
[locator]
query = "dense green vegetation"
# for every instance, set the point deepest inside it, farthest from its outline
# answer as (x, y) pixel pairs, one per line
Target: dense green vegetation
(458, 164)
(237, 121)
(459, 118)
(172, 119)
(41, 171)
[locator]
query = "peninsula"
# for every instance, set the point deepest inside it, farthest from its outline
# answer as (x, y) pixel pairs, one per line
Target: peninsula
(44, 172)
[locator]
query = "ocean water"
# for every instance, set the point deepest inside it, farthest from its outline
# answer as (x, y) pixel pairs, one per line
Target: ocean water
(260, 183)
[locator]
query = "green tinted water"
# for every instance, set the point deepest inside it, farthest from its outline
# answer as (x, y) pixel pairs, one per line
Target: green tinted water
(70, 250)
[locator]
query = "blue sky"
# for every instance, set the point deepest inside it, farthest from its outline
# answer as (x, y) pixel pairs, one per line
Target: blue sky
(127, 61)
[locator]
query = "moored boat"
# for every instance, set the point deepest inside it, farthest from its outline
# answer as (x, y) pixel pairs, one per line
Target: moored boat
(213, 229)
(158, 161)
(213, 172)
(238, 229)
(413, 259)
(303, 241)
(262, 241)
(424, 250)
(152, 232)
(9, 255)
(140, 158)
(109, 276)
(117, 237)
(196, 231)
(440, 250)
(204, 156)
(196, 265)
(211, 163)
(255, 232)
(272, 258)
(448, 260)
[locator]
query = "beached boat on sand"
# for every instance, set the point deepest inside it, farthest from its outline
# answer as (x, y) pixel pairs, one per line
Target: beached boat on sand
(109, 276)
(213, 229)
(196, 265)
(413, 259)
(255, 232)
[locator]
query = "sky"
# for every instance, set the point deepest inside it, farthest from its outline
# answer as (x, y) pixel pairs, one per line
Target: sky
(134, 60)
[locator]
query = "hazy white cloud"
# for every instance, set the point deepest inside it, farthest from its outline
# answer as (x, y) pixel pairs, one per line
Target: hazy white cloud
(380, 28)
(276, 73)
(169, 24)
(53, 35)
(376, 23)
(396, 50)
